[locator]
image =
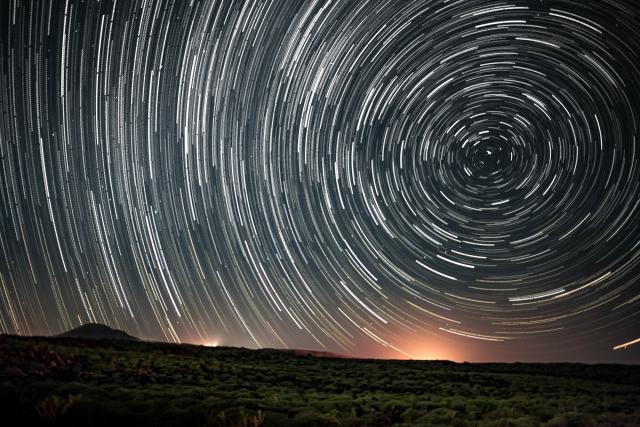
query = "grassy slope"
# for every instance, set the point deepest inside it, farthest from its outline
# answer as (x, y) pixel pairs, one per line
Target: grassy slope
(66, 381)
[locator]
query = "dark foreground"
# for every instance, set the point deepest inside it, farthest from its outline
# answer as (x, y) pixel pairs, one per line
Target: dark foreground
(70, 381)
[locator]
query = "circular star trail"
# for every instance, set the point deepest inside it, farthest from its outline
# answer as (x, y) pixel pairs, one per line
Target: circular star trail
(370, 177)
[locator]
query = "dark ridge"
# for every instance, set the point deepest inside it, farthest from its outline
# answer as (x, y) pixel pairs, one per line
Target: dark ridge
(314, 353)
(97, 331)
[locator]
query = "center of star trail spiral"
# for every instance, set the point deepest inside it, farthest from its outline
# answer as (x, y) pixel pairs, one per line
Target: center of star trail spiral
(350, 175)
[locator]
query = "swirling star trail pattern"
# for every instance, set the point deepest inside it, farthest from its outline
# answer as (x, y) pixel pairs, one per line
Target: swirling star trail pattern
(453, 179)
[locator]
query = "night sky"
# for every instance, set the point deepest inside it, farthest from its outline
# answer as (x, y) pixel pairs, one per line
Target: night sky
(401, 179)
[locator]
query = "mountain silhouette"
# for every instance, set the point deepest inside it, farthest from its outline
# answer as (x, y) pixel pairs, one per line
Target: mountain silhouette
(98, 331)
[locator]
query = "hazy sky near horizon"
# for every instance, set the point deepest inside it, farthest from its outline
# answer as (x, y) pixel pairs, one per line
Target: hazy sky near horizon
(426, 179)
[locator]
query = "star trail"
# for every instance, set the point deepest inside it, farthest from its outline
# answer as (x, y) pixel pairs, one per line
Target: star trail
(451, 179)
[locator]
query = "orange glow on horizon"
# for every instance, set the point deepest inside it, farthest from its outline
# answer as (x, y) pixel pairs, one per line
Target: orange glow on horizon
(429, 349)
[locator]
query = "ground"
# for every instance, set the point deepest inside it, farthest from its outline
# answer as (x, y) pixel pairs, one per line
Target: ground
(73, 381)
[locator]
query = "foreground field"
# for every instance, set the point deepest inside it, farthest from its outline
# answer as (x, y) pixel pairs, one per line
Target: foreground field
(70, 381)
